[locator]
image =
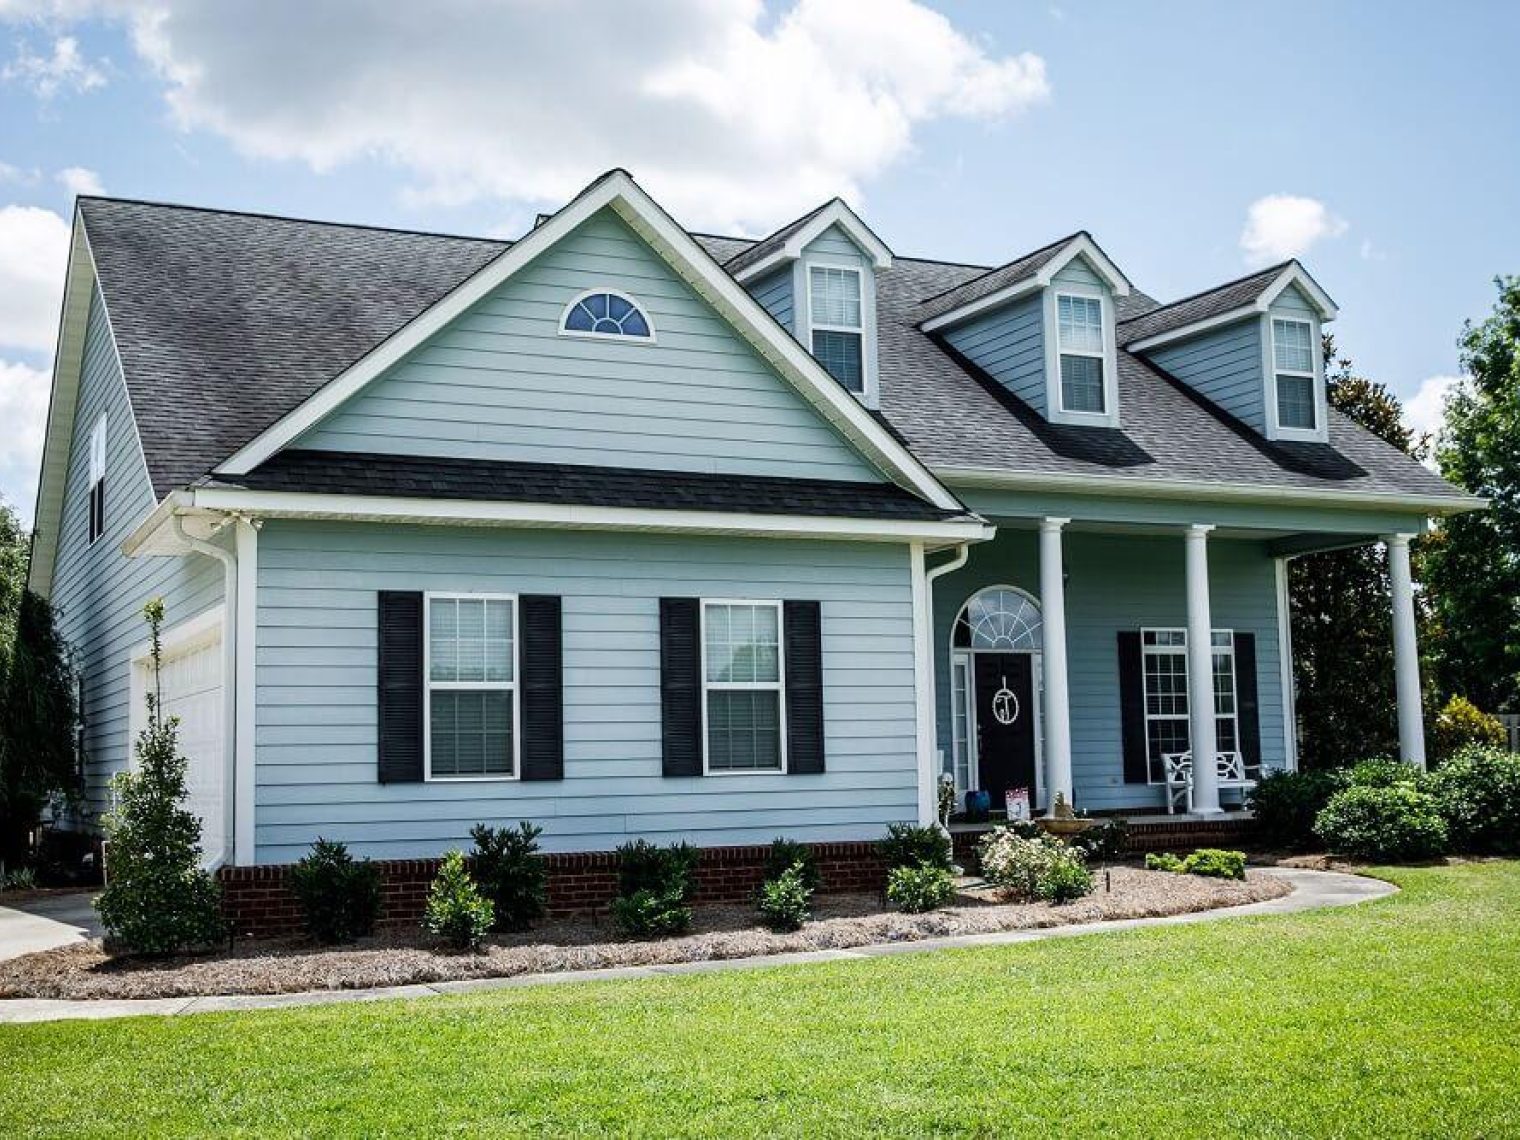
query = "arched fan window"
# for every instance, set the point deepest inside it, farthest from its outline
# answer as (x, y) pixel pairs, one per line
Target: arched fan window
(999, 618)
(603, 312)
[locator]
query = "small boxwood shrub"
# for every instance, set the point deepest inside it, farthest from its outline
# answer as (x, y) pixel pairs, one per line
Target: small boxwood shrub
(655, 885)
(456, 910)
(1163, 861)
(650, 914)
(339, 895)
(1213, 863)
(919, 889)
(1461, 724)
(1395, 821)
(788, 853)
(511, 873)
(1285, 805)
(785, 900)
(1383, 772)
(907, 845)
(1034, 866)
(1477, 792)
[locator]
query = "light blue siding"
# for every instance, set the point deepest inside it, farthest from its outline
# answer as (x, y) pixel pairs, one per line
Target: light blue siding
(835, 245)
(1009, 345)
(774, 292)
(316, 734)
(1120, 583)
(1078, 272)
(99, 593)
(501, 382)
(1291, 302)
(1223, 365)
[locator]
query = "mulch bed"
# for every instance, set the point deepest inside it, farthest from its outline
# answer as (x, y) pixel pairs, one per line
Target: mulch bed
(401, 957)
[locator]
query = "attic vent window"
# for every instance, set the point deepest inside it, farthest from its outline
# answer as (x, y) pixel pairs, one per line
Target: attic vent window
(1080, 337)
(838, 326)
(1293, 360)
(605, 313)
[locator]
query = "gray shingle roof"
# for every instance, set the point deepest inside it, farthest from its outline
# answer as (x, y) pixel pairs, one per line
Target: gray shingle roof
(348, 473)
(770, 244)
(226, 322)
(1200, 306)
(991, 281)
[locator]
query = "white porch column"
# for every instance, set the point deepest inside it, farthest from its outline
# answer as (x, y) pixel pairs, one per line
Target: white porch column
(1053, 656)
(1200, 673)
(1406, 658)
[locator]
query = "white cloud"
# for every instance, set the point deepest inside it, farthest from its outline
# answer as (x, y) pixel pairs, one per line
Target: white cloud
(78, 180)
(730, 115)
(48, 75)
(1281, 226)
(15, 175)
(1424, 411)
(34, 249)
(23, 411)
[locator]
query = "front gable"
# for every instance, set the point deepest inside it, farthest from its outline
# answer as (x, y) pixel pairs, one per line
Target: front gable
(503, 382)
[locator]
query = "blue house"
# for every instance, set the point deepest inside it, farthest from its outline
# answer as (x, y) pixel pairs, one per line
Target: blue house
(632, 531)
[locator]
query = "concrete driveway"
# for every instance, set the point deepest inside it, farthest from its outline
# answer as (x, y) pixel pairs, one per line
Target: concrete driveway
(45, 922)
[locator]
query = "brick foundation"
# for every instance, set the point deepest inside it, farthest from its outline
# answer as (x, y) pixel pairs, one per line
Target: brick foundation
(258, 903)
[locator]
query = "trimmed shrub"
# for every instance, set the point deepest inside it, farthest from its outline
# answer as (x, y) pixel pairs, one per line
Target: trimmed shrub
(21, 879)
(917, 890)
(907, 845)
(654, 886)
(788, 853)
(157, 898)
(784, 900)
(339, 896)
(511, 873)
(1477, 792)
(1034, 867)
(1286, 805)
(1383, 772)
(650, 914)
(1213, 863)
(1163, 861)
(1461, 724)
(456, 910)
(1106, 843)
(1396, 821)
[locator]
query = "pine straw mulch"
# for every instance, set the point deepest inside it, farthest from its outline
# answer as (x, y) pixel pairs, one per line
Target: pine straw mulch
(400, 956)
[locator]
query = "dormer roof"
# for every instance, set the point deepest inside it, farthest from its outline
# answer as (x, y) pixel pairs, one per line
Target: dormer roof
(787, 243)
(1246, 296)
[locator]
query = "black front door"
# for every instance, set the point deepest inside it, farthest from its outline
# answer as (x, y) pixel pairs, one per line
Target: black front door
(1005, 724)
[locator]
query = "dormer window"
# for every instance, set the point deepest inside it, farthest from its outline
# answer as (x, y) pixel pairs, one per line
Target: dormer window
(1293, 361)
(835, 313)
(606, 313)
(1079, 331)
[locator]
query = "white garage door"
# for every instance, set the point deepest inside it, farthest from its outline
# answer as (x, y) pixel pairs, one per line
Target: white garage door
(191, 684)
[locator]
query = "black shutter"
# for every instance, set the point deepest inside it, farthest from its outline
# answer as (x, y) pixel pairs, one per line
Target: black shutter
(543, 690)
(1132, 708)
(804, 687)
(1247, 703)
(400, 677)
(681, 686)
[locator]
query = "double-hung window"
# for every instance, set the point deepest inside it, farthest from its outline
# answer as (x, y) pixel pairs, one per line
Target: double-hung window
(471, 672)
(1079, 340)
(743, 703)
(97, 525)
(1164, 663)
(836, 317)
(1293, 365)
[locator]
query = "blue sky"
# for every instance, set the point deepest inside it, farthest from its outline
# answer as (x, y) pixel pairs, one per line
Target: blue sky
(1195, 140)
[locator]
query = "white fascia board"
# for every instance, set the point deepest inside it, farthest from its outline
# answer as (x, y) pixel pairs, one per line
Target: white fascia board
(1296, 274)
(1293, 274)
(688, 259)
(1084, 246)
(983, 304)
(1182, 332)
(836, 213)
(989, 478)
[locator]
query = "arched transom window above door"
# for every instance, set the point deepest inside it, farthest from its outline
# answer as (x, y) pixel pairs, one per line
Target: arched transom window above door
(999, 618)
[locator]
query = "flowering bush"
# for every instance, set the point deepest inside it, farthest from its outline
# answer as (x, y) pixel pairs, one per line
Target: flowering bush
(1034, 867)
(915, 890)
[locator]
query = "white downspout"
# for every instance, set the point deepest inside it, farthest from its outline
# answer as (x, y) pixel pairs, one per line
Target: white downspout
(229, 680)
(929, 697)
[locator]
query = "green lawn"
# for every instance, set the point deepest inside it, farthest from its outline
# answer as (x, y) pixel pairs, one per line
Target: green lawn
(1400, 1017)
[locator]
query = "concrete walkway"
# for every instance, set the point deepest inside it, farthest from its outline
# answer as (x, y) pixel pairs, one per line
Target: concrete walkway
(45, 922)
(1312, 890)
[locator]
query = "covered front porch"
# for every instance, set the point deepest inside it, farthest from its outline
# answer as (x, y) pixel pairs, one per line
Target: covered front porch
(1068, 647)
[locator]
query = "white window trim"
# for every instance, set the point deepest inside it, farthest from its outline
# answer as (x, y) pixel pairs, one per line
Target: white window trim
(1320, 433)
(802, 287)
(1057, 412)
(1181, 650)
(428, 684)
(98, 457)
(620, 338)
(779, 684)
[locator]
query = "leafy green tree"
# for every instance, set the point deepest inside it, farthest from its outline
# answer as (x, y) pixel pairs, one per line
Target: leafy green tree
(1342, 613)
(37, 759)
(1473, 562)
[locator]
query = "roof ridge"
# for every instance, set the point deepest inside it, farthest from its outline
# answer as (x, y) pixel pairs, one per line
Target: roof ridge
(266, 216)
(1067, 240)
(1278, 268)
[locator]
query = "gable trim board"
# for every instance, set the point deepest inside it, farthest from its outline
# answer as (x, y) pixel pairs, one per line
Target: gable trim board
(1292, 274)
(690, 261)
(836, 213)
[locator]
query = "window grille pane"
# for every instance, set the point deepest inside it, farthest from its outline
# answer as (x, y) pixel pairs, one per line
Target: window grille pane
(839, 353)
(1082, 383)
(471, 733)
(743, 643)
(1295, 401)
(835, 297)
(743, 730)
(470, 639)
(1292, 345)
(1081, 324)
